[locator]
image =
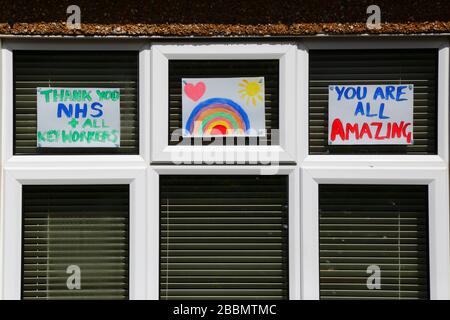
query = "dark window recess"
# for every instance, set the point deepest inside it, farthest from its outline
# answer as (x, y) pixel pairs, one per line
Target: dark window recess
(380, 225)
(93, 69)
(224, 237)
(418, 67)
(269, 69)
(82, 226)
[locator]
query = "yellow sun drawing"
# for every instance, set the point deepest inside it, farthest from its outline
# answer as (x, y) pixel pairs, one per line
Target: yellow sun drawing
(251, 90)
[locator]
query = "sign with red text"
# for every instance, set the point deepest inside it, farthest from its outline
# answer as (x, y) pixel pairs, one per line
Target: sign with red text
(78, 117)
(370, 114)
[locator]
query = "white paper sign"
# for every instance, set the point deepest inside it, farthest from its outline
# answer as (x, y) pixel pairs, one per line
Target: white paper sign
(78, 117)
(370, 114)
(219, 107)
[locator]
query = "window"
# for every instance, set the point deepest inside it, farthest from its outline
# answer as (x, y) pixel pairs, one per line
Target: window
(276, 63)
(418, 67)
(224, 237)
(95, 69)
(196, 220)
(366, 229)
(75, 242)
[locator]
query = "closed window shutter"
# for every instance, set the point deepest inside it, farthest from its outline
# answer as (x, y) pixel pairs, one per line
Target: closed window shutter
(417, 67)
(224, 237)
(367, 225)
(84, 226)
(269, 69)
(74, 69)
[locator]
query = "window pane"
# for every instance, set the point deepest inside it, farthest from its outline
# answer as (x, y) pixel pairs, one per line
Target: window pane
(269, 69)
(417, 67)
(74, 69)
(75, 242)
(382, 229)
(224, 237)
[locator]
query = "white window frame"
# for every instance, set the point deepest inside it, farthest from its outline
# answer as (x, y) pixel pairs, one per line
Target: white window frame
(431, 170)
(8, 46)
(162, 152)
(1, 181)
(441, 44)
(15, 179)
(293, 224)
(71, 169)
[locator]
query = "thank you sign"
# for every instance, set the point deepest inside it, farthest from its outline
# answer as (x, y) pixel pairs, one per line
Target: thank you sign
(370, 114)
(78, 117)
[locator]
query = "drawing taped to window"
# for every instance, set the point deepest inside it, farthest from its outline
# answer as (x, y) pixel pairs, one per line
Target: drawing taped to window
(223, 107)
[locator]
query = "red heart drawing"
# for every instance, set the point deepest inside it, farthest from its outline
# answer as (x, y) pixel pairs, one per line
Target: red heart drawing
(195, 92)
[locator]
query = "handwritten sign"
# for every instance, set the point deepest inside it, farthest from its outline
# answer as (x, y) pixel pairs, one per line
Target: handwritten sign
(370, 114)
(78, 117)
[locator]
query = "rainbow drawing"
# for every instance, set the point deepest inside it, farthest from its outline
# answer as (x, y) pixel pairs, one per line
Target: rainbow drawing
(223, 107)
(217, 117)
